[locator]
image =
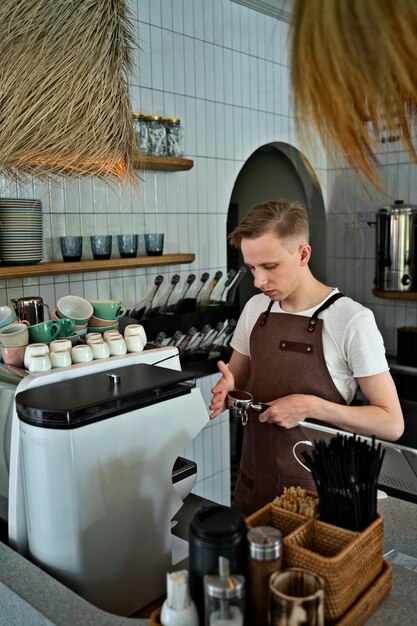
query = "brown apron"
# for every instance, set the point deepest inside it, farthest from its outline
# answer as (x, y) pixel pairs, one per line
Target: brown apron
(286, 352)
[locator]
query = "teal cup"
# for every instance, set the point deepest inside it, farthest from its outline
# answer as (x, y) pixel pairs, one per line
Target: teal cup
(108, 309)
(44, 332)
(67, 327)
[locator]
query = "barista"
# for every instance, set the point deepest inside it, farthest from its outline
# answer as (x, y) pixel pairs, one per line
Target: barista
(302, 348)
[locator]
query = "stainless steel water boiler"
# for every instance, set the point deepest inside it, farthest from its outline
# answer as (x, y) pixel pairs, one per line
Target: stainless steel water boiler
(396, 254)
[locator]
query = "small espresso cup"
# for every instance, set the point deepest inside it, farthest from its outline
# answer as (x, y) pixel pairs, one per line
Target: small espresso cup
(128, 245)
(93, 337)
(100, 349)
(101, 246)
(136, 329)
(71, 247)
(134, 343)
(117, 346)
(44, 332)
(111, 334)
(60, 344)
(15, 335)
(81, 354)
(296, 596)
(60, 358)
(34, 349)
(39, 363)
(154, 244)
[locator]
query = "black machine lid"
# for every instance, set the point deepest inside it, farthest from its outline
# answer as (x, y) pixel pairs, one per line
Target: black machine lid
(75, 402)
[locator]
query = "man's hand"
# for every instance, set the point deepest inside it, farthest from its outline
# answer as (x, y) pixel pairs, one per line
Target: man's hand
(220, 390)
(288, 411)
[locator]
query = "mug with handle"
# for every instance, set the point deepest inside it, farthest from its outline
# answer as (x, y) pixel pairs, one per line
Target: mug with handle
(45, 332)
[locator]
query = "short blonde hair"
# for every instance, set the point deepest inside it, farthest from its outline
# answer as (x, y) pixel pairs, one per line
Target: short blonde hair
(285, 218)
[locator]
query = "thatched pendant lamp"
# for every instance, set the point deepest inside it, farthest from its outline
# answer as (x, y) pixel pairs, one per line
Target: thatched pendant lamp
(353, 72)
(64, 105)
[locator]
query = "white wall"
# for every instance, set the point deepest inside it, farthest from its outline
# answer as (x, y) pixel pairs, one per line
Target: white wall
(222, 68)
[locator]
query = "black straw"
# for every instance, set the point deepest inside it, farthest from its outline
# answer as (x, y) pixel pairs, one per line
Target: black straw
(346, 471)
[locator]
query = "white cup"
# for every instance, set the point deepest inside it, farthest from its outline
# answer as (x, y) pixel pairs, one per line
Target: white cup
(34, 349)
(136, 329)
(81, 354)
(134, 343)
(111, 334)
(100, 349)
(60, 358)
(60, 344)
(39, 363)
(90, 336)
(15, 335)
(117, 346)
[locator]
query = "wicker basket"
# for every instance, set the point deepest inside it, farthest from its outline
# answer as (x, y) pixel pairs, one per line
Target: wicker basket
(348, 561)
(270, 515)
(369, 601)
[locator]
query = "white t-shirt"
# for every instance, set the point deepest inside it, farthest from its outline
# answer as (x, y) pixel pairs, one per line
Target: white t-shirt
(352, 344)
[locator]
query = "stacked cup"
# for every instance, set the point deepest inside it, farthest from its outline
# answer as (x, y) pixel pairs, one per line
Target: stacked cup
(135, 337)
(77, 309)
(106, 315)
(14, 338)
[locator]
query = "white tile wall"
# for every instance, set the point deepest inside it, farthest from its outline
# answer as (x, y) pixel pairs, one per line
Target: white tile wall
(221, 68)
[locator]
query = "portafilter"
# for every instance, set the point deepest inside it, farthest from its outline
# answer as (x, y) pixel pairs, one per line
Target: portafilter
(240, 402)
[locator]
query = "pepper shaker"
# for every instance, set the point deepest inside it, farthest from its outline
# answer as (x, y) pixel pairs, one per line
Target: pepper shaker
(265, 558)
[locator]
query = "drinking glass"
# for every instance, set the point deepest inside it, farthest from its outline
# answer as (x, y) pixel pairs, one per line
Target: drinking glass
(128, 245)
(154, 244)
(101, 246)
(71, 247)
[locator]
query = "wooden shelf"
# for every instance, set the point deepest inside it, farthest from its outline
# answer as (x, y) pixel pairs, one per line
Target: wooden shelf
(395, 295)
(90, 265)
(166, 164)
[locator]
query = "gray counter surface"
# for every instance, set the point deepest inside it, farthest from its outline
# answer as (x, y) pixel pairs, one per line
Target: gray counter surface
(30, 597)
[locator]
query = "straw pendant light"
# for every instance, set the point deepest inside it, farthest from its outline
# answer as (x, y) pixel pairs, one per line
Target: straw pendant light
(353, 77)
(64, 105)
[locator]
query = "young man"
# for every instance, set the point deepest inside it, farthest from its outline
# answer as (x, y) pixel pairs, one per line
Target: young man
(302, 348)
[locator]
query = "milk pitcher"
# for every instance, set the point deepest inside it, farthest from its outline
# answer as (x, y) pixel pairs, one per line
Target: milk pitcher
(30, 308)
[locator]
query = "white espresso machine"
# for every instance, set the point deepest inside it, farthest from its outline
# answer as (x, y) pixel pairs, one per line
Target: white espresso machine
(90, 493)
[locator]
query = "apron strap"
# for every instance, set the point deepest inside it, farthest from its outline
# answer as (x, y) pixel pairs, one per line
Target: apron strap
(265, 314)
(313, 319)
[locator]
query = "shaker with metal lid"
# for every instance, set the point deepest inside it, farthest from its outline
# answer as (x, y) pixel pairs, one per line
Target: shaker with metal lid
(224, 597)
(265, 558)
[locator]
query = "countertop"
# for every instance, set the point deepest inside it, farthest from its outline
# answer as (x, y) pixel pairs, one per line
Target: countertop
(30, 597)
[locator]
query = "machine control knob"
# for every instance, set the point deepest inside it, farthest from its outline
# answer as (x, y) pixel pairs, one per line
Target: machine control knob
(115, 378)
(406, 279)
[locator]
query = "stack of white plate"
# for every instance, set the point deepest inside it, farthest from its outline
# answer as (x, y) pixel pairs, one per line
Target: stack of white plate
(21, 237)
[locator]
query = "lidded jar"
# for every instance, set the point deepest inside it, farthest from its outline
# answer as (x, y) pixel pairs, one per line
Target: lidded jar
(265, 558)
(141, 131)
(175, 136)
(215, 531)
(156, 135)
